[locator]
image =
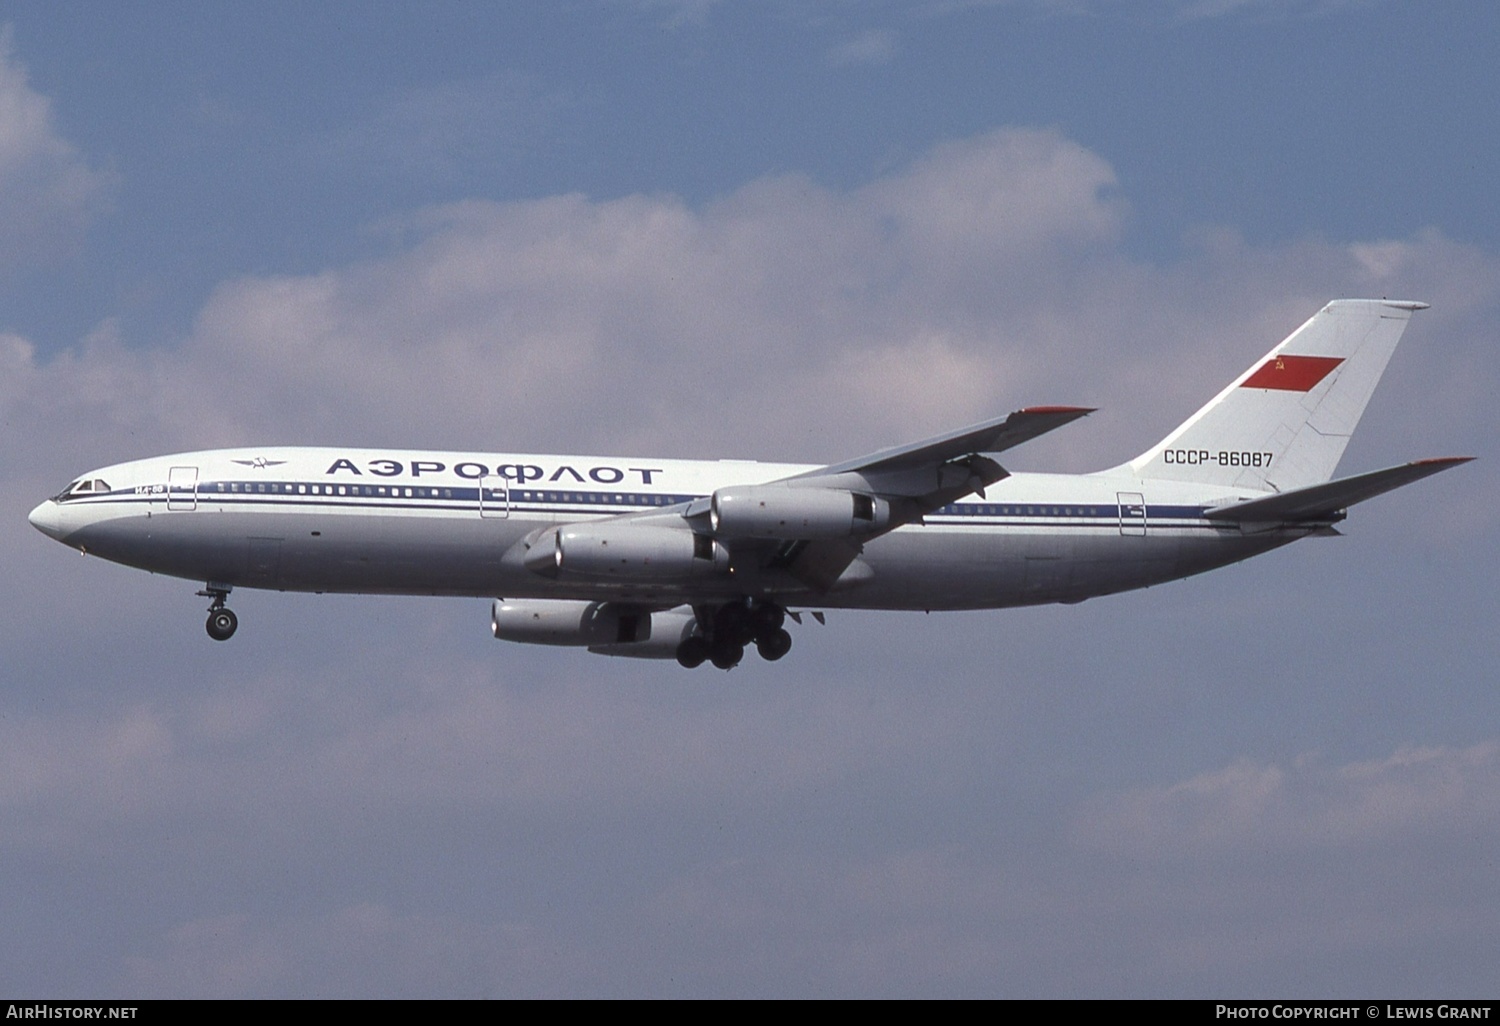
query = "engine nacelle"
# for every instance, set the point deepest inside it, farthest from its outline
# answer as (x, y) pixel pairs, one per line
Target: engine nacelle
(668, 629)
(569, 622)
(626, 552)
(795, 514)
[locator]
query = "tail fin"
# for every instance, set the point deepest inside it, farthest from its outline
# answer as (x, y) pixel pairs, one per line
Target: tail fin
(1284, 423)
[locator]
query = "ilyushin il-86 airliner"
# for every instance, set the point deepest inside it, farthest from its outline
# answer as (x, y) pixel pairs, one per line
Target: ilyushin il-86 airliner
(696, 560)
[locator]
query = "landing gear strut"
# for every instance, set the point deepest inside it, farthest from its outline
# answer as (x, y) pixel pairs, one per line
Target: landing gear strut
(722, 636)
(222, 622)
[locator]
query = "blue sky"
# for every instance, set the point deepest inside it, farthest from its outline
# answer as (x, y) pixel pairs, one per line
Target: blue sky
(778, 230)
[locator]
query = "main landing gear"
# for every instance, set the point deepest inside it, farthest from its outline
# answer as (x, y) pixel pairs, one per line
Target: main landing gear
(222, 622)
(722, 636)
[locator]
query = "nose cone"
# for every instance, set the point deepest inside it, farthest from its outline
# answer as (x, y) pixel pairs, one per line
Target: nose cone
(47, 518)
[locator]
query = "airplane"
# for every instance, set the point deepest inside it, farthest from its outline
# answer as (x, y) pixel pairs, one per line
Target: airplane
(696, 560)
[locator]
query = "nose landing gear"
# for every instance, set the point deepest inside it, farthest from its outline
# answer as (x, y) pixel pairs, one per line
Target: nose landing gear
(222, 622)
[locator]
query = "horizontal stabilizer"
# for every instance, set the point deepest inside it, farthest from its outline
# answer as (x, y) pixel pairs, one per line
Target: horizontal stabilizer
(1322, 501)
(990, 436)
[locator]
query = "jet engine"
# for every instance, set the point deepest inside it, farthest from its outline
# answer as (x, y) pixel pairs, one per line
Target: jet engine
(625, 552)
(603, 627)
(795, 514)
(568, 622)
(669, 628)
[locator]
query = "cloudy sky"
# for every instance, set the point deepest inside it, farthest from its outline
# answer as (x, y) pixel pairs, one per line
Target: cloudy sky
(785, 230)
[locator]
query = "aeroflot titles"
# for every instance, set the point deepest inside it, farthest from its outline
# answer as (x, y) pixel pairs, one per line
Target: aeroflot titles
(517, 472)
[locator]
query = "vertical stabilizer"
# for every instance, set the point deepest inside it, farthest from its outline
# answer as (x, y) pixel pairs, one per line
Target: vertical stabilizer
(1285, 421)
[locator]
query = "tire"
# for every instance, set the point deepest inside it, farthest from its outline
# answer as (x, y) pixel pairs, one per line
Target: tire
(775, 645)
(727, 657)
(693, 652)
(222, 624)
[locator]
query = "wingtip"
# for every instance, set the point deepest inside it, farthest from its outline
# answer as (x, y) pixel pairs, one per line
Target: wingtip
(1081, 411)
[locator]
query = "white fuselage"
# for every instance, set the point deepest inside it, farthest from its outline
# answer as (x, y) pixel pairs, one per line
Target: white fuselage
(449, 523)
(696, 560)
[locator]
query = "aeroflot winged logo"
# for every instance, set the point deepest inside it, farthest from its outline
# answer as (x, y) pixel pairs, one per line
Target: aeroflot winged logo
(259, 463)
(1292, 373)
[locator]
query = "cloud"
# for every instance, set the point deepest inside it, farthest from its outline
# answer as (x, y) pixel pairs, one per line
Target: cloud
(1196, 10)
(1183, 10)
(870, 47)
(1258, 872)
(566, 322)
(1415, 793)
(785, 320)
(456, 739)
(332, 954)
(48, 194)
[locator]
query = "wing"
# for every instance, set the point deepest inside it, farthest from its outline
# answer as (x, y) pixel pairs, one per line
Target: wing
(802, 525)
(801, 533)
(988, 436)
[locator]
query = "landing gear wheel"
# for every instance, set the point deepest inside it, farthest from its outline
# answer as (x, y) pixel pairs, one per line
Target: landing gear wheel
(221, 624)
(774, 645)
(693, 652)
(727, 656)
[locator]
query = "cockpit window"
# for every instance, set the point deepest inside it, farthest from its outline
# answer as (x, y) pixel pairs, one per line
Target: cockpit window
(84, 486)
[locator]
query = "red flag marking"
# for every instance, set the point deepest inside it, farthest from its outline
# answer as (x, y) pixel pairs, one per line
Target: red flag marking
(1292, 373)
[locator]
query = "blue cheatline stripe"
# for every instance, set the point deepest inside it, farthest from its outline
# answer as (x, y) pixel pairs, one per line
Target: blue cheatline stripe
(566, 502)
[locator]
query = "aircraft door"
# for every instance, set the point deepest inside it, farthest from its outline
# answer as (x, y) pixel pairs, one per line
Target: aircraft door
(263, 561)
(1132, 514)
(494, 497)
(182, 488)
